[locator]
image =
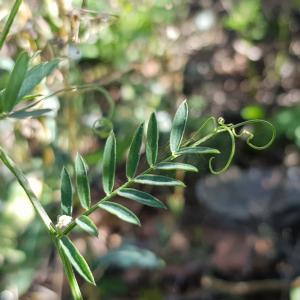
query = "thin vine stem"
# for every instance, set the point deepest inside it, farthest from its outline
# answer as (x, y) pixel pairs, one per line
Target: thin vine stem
(81, 88)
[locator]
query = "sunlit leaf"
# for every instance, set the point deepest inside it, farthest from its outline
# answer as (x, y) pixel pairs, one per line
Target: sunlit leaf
(178, 127)
(120, 211)
(141, 197)
(197, 150)
(83, 188)
(76, 259)
(109, 164)
(35, 75)
(86, 224)
(134, 152)
(158, 180)
(176, 166)
(152, 140)
(66, 193)
(16, 78)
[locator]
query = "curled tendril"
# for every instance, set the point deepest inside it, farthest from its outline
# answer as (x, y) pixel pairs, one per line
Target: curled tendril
(250, 136)
(224, 128)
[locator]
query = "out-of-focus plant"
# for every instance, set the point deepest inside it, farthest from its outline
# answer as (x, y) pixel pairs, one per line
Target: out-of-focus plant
(248, 19)
(19, 87)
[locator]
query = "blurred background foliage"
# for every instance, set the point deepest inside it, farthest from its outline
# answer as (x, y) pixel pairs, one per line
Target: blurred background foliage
(120, 60)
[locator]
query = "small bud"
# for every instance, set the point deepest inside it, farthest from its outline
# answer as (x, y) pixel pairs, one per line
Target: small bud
(247, 133)
(63, 221)
(221, 121)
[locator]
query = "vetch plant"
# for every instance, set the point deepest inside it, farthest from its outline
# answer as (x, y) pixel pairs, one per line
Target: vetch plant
(22, 82)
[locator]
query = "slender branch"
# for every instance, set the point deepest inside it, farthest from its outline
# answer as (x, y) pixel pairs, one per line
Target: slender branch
(9, 22)
(26, 187)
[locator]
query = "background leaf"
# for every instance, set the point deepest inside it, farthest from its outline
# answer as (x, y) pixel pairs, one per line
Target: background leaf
(152, 140)
(76, 259)
(141, 197)
(121, 212)
(17, 76)
(66, 193)
(178, 127)
(35, 75)
(134, 152)
(86, 224)
(82, 182)
(109, 164)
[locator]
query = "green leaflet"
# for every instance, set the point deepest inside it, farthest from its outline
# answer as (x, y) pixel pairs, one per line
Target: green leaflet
(16, 78)
(76, 259)
(197, 150)
(141, 197)
(35, 75)
(109, 164)
(134, 152)
(178, 127)
(82, 182)
(66, 193)
(86, 224)
(158, 180)
(121, 212)
(176, 166)
(75, 290)
(152, 140)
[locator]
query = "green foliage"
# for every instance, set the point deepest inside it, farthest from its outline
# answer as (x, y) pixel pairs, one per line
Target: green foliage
(16, 79)
(22, 82)
(248, 19)
(286, 122)
(35, 75)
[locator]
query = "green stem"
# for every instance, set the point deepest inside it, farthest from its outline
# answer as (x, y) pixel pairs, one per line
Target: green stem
(9, 22)
(26, 187)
